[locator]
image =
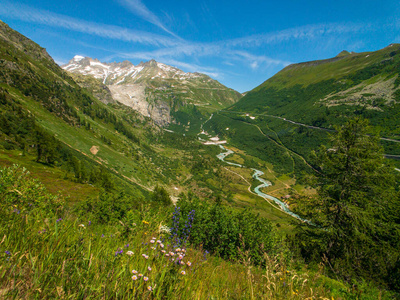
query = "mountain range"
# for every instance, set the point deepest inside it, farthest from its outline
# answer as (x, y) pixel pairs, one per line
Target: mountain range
(154, 89)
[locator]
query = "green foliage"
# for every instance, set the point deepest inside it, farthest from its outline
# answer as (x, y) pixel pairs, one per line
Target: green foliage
(20, 192)
(356, 212)
(161, 197)
(108, 207)
(226, 233)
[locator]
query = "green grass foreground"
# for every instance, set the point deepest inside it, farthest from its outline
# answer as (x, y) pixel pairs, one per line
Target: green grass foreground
(47, 252)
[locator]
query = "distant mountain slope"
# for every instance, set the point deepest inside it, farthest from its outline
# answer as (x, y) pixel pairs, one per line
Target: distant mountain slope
(157, 90)
(327, 92)
(46, 114)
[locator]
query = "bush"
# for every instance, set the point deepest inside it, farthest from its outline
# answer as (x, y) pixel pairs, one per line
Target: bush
(21, 192)
(223, 232)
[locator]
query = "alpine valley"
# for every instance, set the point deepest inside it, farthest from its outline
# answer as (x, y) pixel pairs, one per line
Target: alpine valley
(290, 191)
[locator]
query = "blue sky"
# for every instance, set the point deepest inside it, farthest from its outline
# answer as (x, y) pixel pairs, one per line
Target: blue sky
(239, 43)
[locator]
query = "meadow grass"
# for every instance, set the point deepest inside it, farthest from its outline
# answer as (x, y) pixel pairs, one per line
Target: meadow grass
(47, 252)
(67, 258)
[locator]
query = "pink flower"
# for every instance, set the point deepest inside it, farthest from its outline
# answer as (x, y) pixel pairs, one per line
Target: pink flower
(183, 272)
(145, 278)
(134, 277)
(134, 271)
(189, 263)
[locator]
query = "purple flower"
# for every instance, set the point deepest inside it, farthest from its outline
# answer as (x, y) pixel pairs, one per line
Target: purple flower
(58, 220)
(90, 222)
(8, 252)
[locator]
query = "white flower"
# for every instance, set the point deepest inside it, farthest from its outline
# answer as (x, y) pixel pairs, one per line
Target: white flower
(81, 225)
(164, 229)
(183, 272)
(130, 253)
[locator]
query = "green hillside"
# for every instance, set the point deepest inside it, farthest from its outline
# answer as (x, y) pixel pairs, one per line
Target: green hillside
(327, 92)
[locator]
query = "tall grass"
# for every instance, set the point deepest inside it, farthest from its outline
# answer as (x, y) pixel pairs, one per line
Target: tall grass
(45, 255)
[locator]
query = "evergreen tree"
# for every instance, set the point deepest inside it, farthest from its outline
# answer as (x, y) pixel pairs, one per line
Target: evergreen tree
(356, 228)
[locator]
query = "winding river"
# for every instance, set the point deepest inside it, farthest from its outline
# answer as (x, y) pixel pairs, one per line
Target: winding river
(256, 175)
(264, 183)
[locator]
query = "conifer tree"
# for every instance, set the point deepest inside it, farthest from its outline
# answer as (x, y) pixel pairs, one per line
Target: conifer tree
(355, 227)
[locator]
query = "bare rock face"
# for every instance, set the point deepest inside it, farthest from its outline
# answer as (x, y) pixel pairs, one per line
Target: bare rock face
(134, 96)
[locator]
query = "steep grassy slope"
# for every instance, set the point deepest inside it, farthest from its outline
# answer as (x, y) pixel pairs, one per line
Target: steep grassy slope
(327, 92)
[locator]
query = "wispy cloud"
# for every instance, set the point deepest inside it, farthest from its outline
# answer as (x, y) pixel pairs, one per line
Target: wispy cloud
(139, 9)
(176, 51)
(29, 14)
(307, 32)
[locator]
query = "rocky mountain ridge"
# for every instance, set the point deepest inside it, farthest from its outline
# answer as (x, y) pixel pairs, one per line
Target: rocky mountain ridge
(154, 89)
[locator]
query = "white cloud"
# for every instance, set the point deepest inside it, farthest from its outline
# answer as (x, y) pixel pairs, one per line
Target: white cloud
(299, 33)
(139, 9)
(29, 14)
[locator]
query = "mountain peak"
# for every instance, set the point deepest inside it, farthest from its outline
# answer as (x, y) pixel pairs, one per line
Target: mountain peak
(343, 53)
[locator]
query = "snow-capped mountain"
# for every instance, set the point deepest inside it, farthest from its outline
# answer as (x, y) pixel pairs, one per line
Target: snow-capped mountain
(153, 88)
(126, 72)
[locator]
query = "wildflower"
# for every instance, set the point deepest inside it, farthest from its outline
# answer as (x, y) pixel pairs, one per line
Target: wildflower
(167, 254)
(145, 278)
(180, 257)
(163, 251)
(145, 222)
(90, 223)
(102, 235)
(172, 253)
(183, 272)
(149, 288)
(58, 220)
(162, 245)
(140, 275)
(130, 253)
(158, 242)
(127, 246)
(178, 250)
(133, 224)
(189, 263)
(152, 241)
(153, 248)
(8, 252)
(182, 262)
(81, 225)
(134, 271)
(134, 277)
(164, 229)
(149, 268)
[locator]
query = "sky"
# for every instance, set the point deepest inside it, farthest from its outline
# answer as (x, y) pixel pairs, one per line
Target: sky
(239, 43)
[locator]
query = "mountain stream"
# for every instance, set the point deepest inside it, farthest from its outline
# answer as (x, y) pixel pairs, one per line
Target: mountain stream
(256, 175)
